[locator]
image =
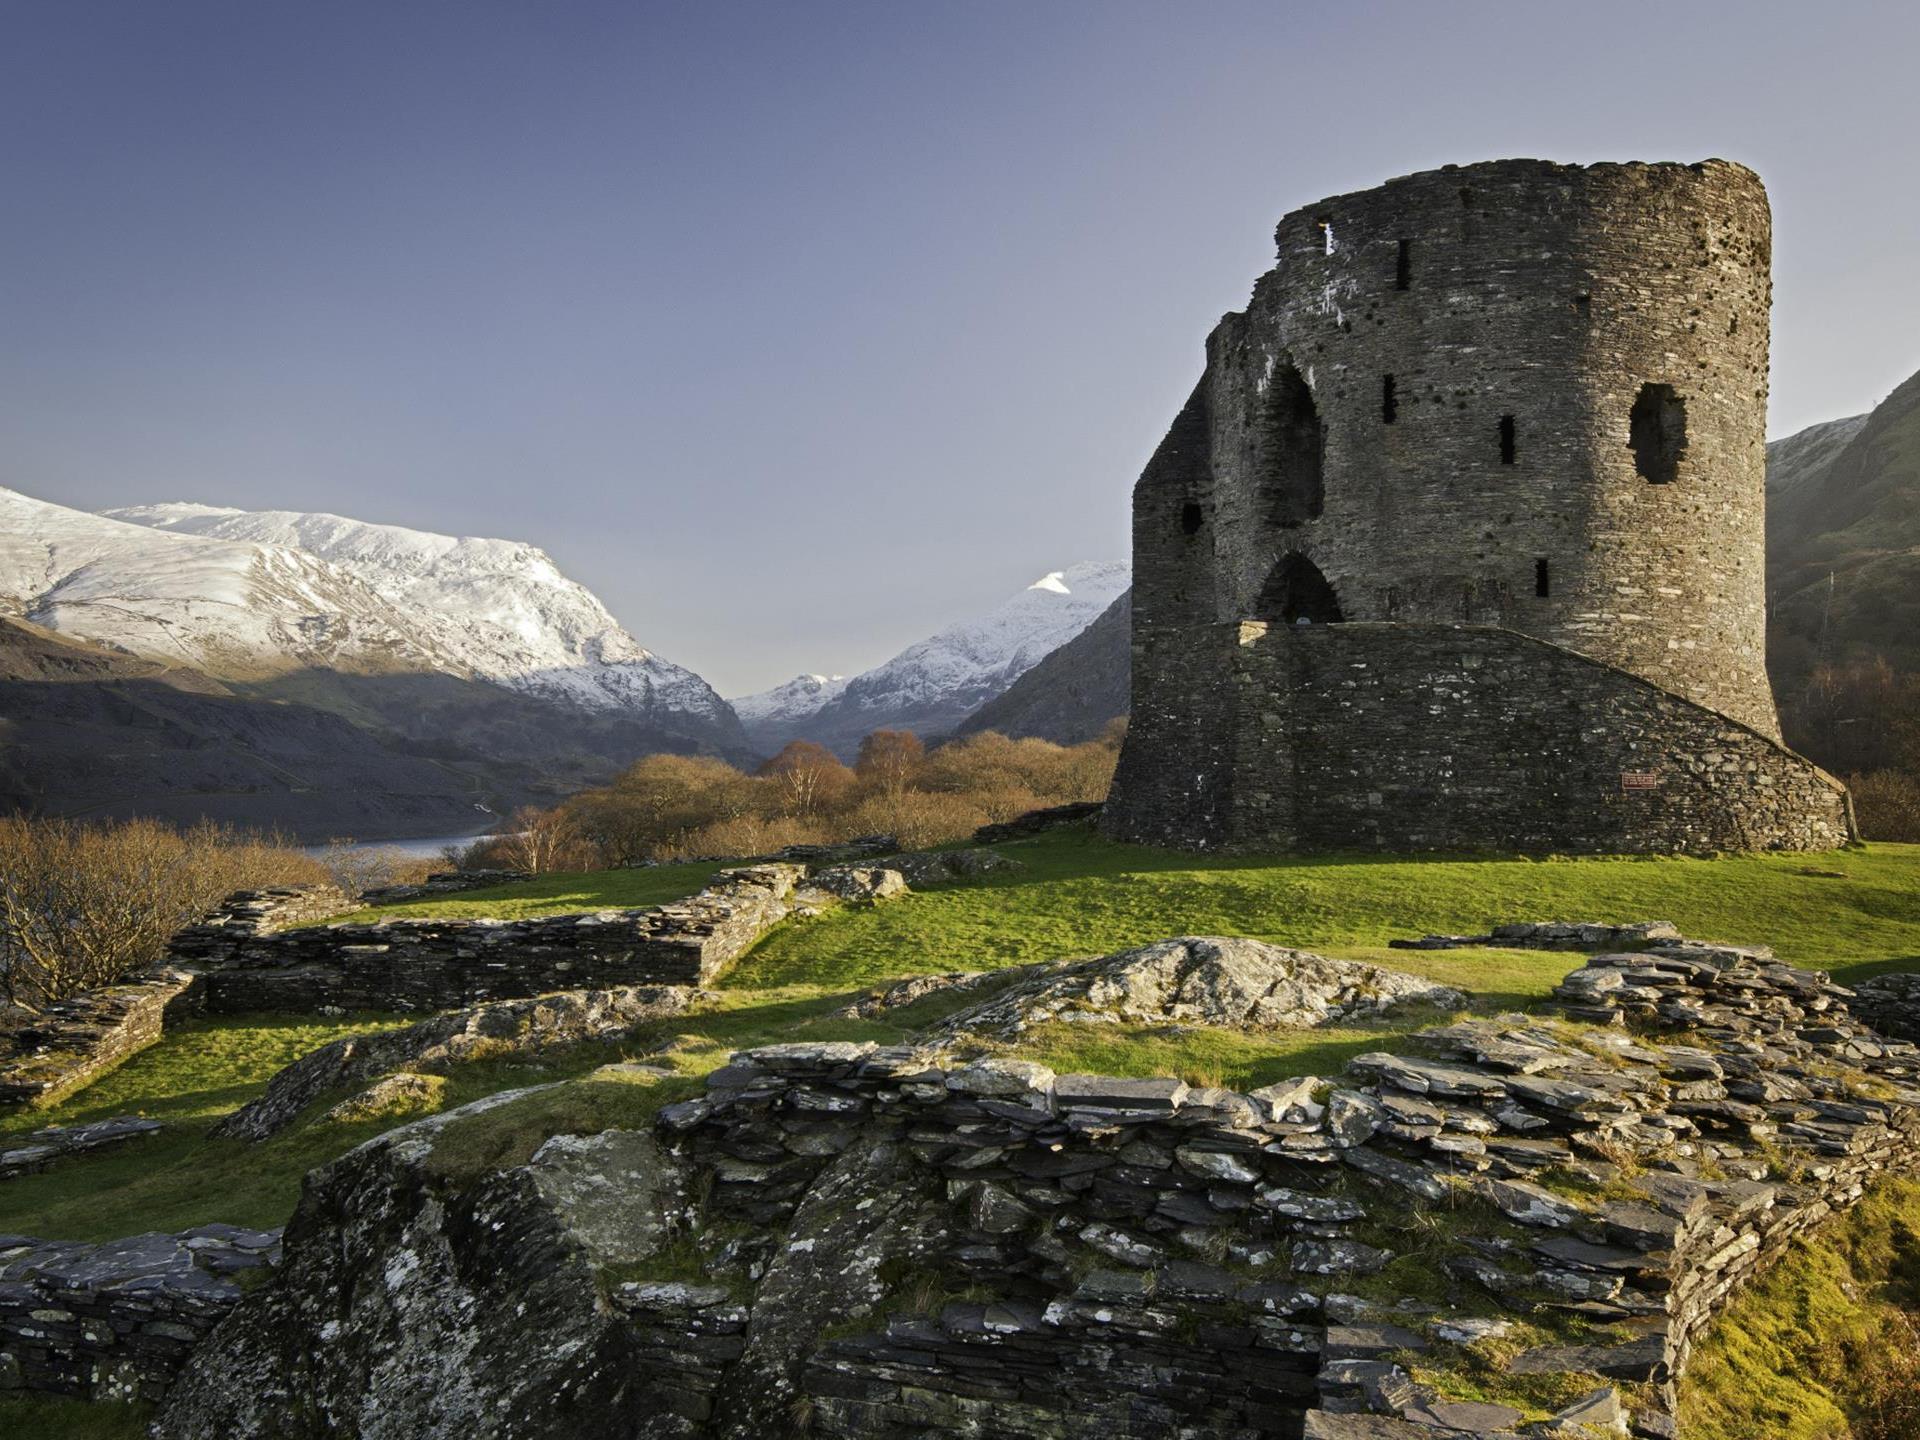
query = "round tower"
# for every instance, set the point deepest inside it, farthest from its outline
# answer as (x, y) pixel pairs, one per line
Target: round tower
(1516, 394)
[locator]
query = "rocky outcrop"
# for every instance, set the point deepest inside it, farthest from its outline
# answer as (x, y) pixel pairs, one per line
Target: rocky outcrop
(409, 1308)
(71, 1043)
(502, 1028)
(1196, 980)
(441, 964)
(115, 1321)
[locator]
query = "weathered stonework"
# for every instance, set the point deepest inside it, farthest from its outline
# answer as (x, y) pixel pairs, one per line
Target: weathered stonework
(73, 1042)
(1500, 430)
(115, 1321)
(901, 1244)
(442, 964)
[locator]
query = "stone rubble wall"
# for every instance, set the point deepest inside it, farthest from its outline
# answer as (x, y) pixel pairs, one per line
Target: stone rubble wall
(73, 1042)
(1155, 1258)
(496, 1029)
(431, 964)
(116, 1320)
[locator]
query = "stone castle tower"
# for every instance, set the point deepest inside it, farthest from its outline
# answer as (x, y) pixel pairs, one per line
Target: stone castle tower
(1459, 541)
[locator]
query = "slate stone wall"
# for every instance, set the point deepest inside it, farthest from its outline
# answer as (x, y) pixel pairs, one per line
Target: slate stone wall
(1155, 1259)
(75, 1041)
(439, 964)
(116, 1320)
(1436, 410)
(1440, 737)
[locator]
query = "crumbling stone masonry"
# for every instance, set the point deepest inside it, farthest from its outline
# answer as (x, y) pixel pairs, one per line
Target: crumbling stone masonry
(1459, 541)
(438, 964)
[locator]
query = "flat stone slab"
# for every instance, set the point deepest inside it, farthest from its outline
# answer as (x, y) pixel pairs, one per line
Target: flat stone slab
(45, 1148)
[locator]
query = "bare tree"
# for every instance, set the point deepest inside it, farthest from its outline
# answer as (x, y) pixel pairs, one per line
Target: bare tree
(889, 761)
(807, 777)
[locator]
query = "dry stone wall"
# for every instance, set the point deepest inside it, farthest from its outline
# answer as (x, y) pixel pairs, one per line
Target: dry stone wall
(441, 964)
(1159, 1258)
(73, 1042)
(115, 1321)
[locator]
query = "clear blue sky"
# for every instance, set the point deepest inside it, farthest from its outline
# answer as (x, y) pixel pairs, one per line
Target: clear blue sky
(798, 330)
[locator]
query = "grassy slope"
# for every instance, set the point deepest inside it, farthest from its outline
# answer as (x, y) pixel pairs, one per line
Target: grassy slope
(1081, 896)
(1074, 895)
(1818, 1350)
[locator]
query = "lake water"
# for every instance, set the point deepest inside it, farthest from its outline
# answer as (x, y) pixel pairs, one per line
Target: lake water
(429, 848)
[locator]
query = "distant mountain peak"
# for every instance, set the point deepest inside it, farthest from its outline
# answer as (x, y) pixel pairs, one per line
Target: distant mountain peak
(935, 683)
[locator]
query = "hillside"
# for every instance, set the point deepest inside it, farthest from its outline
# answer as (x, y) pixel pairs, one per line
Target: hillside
(487, 676)
(91, 732)
(1075, 692)
(1843, 543)
(933, 685)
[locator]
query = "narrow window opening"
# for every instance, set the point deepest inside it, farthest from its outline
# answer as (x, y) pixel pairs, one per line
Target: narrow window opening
(1542, 582)
(1583, 306)
(1657, 433)
(1403, 270)
(1509, 443)
(1466, 195)
(1296, 593)
(1389, 400)
(1292, 451)
(1190, 518)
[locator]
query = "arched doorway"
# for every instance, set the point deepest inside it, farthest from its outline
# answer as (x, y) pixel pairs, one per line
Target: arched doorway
(1297, 591)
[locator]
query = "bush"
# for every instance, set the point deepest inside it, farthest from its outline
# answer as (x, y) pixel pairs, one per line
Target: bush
(676, 806)
(1887, 803)
(358, 869)
(83, 906)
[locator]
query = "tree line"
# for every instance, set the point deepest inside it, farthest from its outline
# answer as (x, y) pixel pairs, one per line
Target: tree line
(678, 807)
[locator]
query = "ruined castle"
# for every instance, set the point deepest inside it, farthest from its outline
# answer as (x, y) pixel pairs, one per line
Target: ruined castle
(1458, 543)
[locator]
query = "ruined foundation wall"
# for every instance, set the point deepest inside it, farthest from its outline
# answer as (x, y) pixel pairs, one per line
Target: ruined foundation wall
(1442, 737)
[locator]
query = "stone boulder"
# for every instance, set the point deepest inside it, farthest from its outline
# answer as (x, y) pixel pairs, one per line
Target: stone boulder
(1198, 980)
(412, 1307)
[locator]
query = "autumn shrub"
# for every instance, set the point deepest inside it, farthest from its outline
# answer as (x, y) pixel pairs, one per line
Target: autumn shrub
(85, 905)
(357, 869)
(669, 807)
(1887, 803)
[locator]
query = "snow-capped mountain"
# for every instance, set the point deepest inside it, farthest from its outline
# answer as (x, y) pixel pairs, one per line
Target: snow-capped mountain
(497, 610)
(767, 714)
(226, 607)
(931, 686)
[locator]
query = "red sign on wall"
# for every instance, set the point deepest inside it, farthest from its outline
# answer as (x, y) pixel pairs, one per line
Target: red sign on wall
(1639, 780)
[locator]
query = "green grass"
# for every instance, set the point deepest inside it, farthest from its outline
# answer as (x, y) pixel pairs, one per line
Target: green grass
(1075, 895)
(73, 1420)
(1078, 895)
(564, 894)
(1821, 1347)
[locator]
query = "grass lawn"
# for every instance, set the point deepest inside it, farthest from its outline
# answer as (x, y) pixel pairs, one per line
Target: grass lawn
(72, 1420)
(1853, 911)
(564, 894)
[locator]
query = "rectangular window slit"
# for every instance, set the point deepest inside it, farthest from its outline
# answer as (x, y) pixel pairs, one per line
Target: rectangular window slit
(1542, 585)
(1508, 442)
(1389, 400)
(1403, 270)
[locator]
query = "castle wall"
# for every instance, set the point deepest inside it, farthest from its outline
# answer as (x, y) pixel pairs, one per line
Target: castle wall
(1549, 294)
(1518, 397)
(1441, 737)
